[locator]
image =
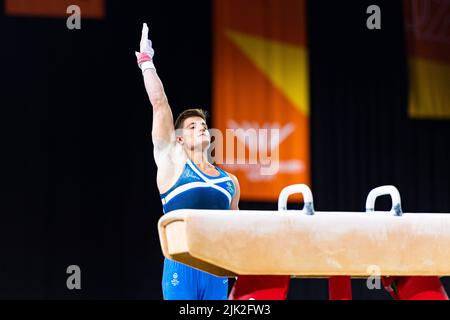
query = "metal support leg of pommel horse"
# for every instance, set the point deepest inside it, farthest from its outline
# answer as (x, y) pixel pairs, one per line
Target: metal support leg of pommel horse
(400, 288)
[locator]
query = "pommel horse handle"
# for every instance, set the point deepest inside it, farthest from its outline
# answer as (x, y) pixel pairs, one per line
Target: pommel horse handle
(308, 207)
(396, 209)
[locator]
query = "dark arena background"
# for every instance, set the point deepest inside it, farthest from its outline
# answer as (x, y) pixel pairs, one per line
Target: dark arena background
(78, 177)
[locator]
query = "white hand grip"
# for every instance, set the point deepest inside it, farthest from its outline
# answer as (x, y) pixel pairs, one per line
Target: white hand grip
(308, 207)
(381, 191)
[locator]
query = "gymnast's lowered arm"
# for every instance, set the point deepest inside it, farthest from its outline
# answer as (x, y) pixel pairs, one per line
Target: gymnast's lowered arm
(235, 201)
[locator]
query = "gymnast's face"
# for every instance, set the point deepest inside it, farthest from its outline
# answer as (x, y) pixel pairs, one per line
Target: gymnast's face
(195, 134)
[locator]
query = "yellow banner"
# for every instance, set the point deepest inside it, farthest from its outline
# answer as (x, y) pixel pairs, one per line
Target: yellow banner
(261, 93)
(428, 41)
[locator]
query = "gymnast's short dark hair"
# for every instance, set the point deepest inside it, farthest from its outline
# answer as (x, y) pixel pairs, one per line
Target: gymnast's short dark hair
(179, 122)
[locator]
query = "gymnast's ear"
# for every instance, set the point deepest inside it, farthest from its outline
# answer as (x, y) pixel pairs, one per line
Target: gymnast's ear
(179, 136)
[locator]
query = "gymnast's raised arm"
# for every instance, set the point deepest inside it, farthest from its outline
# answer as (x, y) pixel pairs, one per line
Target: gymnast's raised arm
(163, 132)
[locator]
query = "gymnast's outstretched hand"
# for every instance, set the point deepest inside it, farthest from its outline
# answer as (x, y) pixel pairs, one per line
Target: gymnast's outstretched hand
(145, 56)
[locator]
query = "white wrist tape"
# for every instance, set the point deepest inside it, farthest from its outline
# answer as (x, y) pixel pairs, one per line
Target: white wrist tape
(147, 65)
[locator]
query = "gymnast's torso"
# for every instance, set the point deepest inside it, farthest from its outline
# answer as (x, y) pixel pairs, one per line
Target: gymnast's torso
(195, 189)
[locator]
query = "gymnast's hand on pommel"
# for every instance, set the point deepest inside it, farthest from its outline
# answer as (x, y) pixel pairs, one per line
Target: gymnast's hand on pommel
(162, 128)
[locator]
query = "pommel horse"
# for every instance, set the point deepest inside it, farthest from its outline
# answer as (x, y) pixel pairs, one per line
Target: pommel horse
(264, 249)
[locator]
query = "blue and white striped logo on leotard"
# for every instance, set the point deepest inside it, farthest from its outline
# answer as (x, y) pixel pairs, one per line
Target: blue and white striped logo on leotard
(197, 190)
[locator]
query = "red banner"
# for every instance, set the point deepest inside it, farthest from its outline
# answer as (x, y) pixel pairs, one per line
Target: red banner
(54, 8)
